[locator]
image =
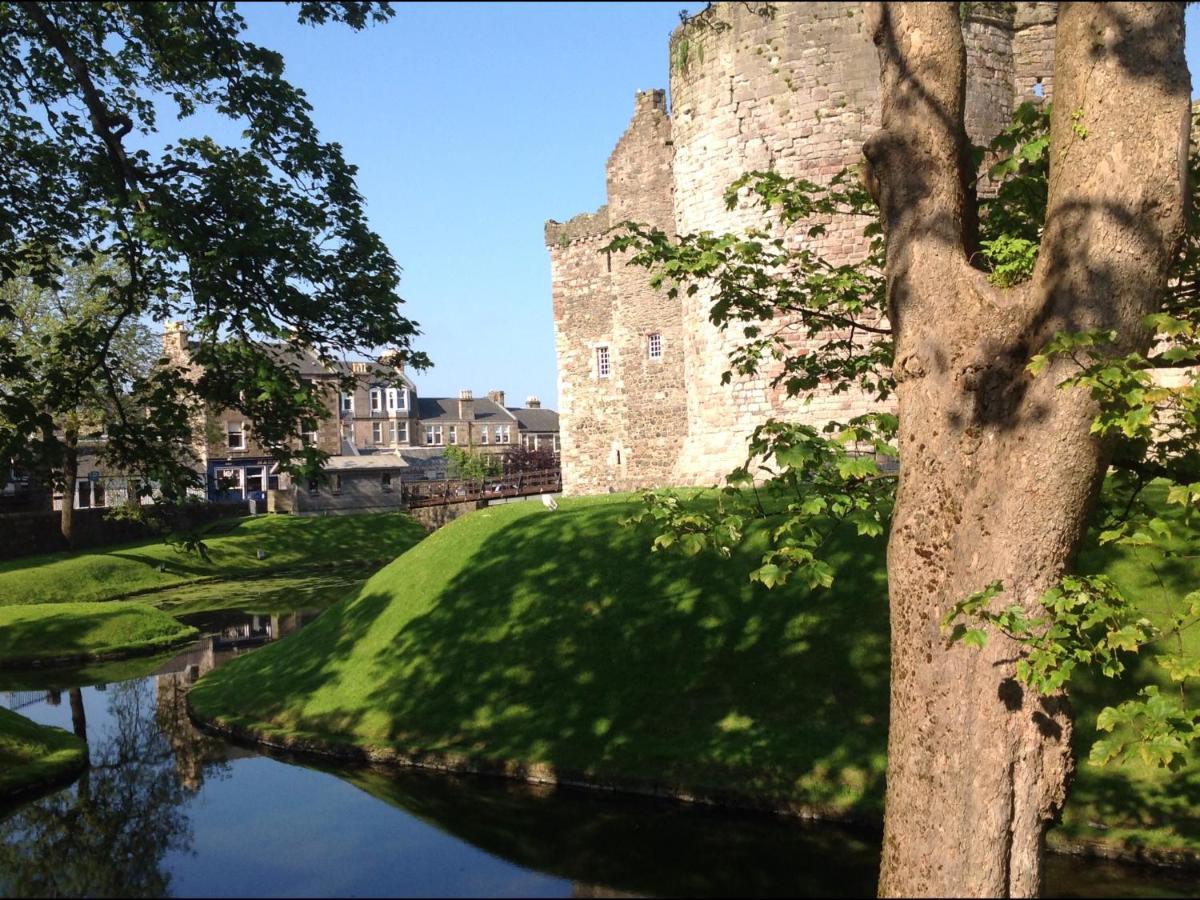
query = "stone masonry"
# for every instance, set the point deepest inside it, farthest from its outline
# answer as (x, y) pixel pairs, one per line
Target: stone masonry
(796, 91)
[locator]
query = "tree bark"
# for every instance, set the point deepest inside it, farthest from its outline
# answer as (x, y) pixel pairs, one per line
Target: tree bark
(999, 470)
(70, 475)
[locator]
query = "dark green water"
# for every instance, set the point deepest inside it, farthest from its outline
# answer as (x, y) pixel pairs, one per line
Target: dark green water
(166, 810)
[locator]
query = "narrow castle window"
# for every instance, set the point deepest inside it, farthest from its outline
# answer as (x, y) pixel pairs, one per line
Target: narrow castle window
(654, 345)
(603, 366)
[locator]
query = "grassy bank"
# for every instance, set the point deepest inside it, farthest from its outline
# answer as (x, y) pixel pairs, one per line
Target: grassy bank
(286, 542)
(558, 641)
(75, 632)
(34, 756)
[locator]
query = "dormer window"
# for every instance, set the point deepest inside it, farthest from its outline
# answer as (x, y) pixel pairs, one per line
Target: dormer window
(376, 400)
(402, 404)
(392, 399)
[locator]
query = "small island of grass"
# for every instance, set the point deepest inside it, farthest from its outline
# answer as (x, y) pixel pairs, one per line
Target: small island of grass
(62, 633)
(34, 756)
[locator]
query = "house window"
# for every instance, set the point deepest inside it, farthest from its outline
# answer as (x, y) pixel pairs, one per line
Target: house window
(385, 481)
(433, 434)
(556, 444)
(654, 346)
(453, 435)
(503, 434)
(83, 490)
(403, 398)
(235, 435)
(347, 403)
(308, 432)
(483, 434)
(377, 432)
(255, 482)
(603, 363)
(229, 481)
(376, 400)
(401, 432)
(391, 399)
(98, 494)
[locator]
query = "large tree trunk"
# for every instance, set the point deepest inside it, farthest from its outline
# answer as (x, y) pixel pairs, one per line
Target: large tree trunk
(70, 474)
(999, 470)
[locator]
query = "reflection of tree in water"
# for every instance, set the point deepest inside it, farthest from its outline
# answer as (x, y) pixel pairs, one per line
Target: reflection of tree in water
(107, 835)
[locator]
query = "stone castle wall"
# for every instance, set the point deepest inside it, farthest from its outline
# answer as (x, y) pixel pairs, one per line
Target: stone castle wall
(798, 92)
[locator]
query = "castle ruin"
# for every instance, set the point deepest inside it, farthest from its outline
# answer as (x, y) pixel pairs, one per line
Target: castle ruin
(797, 91)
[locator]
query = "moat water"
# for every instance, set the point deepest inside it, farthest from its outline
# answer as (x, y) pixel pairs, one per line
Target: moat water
(167, 810)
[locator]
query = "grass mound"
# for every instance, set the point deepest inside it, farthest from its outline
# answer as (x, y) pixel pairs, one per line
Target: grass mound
(557, 639)
(67, 632)
(33, 756)
(286, 541)
(554, 638)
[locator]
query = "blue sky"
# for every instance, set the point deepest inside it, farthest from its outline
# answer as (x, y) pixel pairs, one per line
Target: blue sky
(472, 124)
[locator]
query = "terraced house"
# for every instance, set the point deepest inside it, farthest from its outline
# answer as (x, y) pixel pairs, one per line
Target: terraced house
(378, 436)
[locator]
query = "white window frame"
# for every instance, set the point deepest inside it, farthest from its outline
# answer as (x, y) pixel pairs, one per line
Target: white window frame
(654, 345)
(376, 432)
(347, 402)
(483, 434)
(376, 400)
(262, 478)
(240, 431)
(433, 435)
(401, 431)
(603, 361)
(223, 474)
(452, 434)
(392, 399)
(503, 434)
(310, 437)
(403, 402)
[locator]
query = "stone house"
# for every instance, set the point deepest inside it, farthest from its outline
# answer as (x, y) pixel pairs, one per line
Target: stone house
(378, 436)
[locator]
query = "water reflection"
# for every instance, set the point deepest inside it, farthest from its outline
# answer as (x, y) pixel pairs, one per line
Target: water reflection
(167, 809)
(107, 834)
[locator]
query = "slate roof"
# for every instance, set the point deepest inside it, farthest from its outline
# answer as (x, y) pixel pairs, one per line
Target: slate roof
(445, 409)
(538, 420)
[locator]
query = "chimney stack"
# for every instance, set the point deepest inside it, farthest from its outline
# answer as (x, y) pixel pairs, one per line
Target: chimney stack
(496, 397)
(532, 402)
(466, 405)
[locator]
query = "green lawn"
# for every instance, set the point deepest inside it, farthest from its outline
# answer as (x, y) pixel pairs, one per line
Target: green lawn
(287, 542)
(62, 632)
(523, 635)
(33, 756)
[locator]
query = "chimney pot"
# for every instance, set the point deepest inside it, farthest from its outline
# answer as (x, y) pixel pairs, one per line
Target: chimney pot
(496, 397)
(532, 402)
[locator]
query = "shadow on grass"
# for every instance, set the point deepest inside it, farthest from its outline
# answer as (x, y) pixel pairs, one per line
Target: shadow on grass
(561, 640)
(1133, 800)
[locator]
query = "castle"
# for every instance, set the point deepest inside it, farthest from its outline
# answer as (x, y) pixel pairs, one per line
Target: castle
(797, 91)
